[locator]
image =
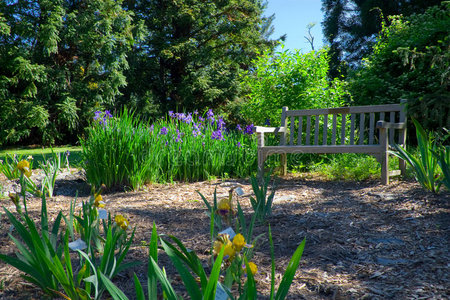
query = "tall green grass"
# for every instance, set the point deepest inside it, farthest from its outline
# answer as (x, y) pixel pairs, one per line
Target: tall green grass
(123, 150)
(42, 154)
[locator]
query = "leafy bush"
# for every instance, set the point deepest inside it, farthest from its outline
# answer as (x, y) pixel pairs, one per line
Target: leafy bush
(291, 79)
(124, 150)
(410, 61)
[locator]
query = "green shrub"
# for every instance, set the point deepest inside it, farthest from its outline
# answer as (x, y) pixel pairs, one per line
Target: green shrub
(349, 166)
(410, 61)
(291, 79)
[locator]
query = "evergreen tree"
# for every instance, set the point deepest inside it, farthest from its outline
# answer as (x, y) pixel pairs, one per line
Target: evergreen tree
(60, 61)
(193, 52)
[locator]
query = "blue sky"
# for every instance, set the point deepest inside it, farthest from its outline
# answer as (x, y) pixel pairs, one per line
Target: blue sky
(292, 17)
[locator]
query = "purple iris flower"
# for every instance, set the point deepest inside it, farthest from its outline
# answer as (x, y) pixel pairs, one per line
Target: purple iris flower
(196, 129)
(217, 135)
(97, 115)
(171, 114)
(238, 144)
(220, 123)
(164, 131)
(238, 127)
(249, 129)
(267, 123)
(108, 114)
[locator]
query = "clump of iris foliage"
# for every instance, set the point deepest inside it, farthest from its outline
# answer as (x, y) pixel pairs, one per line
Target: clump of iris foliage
(124, 150)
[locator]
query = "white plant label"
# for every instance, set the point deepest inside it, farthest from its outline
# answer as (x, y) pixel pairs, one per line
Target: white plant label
(77, 245)
(228, 231)
(102, 214)
(220, 293)
(239, 191)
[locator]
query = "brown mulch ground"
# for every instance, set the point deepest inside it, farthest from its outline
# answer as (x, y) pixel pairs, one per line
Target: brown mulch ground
(364, 240)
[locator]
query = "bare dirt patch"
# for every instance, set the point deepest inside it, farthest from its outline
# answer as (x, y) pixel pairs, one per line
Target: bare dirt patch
(364, 240)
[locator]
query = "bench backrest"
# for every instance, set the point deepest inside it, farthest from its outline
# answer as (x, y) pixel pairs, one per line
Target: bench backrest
(353, 125)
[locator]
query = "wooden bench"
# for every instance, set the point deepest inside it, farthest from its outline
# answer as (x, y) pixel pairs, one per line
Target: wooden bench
(338, 130)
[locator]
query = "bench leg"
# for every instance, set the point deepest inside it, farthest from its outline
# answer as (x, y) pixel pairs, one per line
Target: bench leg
(283, 160)
(402, 167)
(384, 156)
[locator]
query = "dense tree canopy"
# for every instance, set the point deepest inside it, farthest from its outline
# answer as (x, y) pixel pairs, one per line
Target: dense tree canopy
(193, 52)
(60, 60)
(411, 60)
(351, 26)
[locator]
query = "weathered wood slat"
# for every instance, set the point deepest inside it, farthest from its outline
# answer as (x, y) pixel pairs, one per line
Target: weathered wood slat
(333, 137)
(316, 131)
(283, 124)
(391, 131)
(346, 110)
(300, 125)
(343, 125)
(308, 130)
(371, 127)
(291, 136)
(352, 130)
(325, 129)
(361, 128)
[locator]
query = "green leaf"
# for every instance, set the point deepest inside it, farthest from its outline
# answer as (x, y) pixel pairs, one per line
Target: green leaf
(166, 286)
(210, 291)
(188, 279)
(152, 254)
(113, 290)
(139, 290)
(289, 274)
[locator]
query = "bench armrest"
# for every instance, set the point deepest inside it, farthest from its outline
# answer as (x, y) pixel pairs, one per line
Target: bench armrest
(389, 125)
(262, 129)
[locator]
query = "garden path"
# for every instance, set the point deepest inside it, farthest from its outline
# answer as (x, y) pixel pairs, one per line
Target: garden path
(364, 240)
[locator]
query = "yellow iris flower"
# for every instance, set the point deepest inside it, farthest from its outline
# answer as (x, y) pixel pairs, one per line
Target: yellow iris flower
(229, 251)
(121, 221)
(223, 208)
(238, 242)
(98, 202)
(24, 167)
(253, 268)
